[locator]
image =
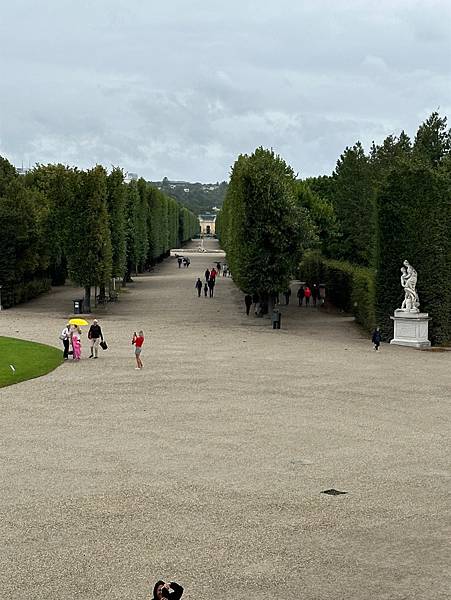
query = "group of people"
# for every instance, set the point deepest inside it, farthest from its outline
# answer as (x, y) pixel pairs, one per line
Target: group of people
(208, 286)
(71, 338)
(305, 293)
(183, 260)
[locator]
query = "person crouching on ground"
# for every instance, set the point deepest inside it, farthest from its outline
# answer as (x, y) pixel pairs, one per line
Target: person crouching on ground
(171, 590)
(376, 338)
(94, 335)
(138, 341)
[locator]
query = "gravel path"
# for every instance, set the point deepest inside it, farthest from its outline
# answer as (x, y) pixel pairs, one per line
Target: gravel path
(207, 466)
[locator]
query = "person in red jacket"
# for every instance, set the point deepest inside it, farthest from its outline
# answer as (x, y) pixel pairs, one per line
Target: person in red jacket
(307, 294)
(138, 341)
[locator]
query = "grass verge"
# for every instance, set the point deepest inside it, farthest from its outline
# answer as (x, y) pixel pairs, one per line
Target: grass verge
(21, 360)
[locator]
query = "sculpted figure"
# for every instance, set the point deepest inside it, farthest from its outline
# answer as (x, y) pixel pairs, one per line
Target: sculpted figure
(408, 282)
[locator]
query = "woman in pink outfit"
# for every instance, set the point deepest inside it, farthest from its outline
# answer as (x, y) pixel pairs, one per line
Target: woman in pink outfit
(76, 343)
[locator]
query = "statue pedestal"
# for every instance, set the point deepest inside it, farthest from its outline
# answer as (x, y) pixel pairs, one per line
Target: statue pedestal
(411, 329)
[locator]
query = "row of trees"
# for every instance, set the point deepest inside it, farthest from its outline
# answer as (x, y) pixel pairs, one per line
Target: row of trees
(394, 203)
(352, 229)
(89, 226)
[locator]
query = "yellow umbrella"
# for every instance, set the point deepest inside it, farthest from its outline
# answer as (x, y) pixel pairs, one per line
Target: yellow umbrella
(78, 322)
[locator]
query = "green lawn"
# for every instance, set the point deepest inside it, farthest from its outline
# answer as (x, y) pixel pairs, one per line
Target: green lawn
(29, 360)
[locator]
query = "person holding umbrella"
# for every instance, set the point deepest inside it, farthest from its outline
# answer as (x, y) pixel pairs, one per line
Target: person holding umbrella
(75, 336)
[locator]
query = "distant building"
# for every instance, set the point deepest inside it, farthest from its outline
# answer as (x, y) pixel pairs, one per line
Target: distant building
(207, 224)
(22, 170)
(130, 177)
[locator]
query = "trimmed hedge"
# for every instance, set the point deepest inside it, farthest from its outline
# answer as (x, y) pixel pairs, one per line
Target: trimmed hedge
(348, 287)
(24, 291)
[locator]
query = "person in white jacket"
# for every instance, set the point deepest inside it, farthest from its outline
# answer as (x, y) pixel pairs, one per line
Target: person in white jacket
(65, 338)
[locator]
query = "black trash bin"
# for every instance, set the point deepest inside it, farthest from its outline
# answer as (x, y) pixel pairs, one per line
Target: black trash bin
(276, 319)
(78, 306)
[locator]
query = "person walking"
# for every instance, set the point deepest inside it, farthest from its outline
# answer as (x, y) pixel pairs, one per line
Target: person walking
(314, 294)
(287, 295)
(207, 275)
(213, 273)
(300, 295)
(179, 260)
(187, 262)
(211, 286)
(307, 294)
(218, 268)
(75, 336)
(376, 339)
(198, 286)
(138, 341)
(205, 289)
(171, 590)
(94, 335)
(248, 303)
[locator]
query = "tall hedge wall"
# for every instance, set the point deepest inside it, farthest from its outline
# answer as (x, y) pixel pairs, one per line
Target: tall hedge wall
(348, 287)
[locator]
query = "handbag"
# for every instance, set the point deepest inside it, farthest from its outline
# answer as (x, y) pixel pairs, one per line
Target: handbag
(104, 345)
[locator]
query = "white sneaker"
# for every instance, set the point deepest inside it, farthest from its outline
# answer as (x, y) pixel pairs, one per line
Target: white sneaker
(137, 369)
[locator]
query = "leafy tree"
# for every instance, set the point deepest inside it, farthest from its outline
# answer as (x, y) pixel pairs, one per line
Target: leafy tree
(7, 174)
(90, 259)
(24, 245)
(354, 203)
(57, 183)
(116, 203)
(433, 140)
(263, 229)
(322, 213)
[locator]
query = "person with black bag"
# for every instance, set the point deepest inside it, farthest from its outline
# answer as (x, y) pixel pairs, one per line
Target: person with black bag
(95, 335)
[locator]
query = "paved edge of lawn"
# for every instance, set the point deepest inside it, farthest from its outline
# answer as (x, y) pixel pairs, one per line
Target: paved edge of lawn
(28, 359)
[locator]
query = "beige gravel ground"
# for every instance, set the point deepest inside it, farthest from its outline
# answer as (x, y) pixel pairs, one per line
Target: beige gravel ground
(207, 466)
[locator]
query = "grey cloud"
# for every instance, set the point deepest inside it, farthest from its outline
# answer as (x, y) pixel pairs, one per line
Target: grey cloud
(180, 90)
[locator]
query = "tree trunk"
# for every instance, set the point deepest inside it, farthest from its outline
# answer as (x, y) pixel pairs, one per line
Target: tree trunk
(87, 300)
(102, 292)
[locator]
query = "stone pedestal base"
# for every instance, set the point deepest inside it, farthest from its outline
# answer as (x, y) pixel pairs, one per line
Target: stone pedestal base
(411, 329)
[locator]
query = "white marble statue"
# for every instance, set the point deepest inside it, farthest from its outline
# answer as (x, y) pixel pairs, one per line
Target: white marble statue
(408, 282)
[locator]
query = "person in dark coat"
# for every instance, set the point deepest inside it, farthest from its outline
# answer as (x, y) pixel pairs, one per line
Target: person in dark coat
(172, 590)
(179, 260)
(94, 335)
(376, 338)
(198, 286)
(314, 294)
(205, 289)
(300, 295)
(287, 295)
(211, 286)
(248, 303)
(207, 275)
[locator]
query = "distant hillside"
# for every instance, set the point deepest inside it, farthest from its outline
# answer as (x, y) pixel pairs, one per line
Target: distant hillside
(199, 197)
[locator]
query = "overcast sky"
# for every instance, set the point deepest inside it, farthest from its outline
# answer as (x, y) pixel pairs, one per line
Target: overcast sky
(179, 88)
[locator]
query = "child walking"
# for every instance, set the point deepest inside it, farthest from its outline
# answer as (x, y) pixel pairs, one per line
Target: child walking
(376, 339)
(138, 341)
